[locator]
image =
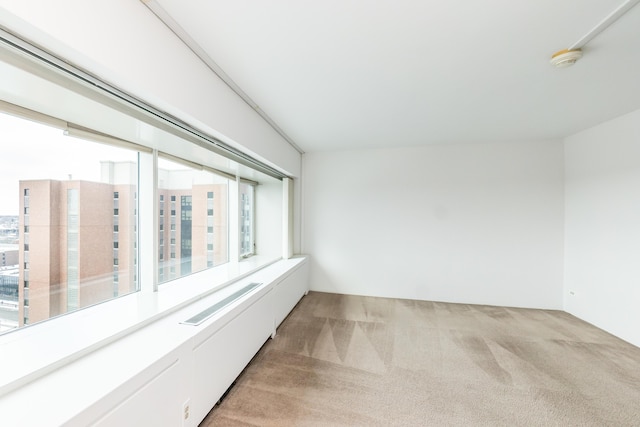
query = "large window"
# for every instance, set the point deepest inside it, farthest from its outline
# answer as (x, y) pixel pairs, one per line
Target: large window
(195, 234)
(83, 219)
(67, 222)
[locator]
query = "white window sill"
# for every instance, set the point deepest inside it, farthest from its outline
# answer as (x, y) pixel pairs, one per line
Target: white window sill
(37, 350)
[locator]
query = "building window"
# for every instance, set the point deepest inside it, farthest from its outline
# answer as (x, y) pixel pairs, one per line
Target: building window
(73, 244)
(247, 196)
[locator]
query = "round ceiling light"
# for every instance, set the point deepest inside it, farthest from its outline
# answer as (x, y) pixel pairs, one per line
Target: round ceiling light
(565, 57)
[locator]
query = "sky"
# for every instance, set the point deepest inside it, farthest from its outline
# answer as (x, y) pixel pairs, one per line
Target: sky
(30, 150)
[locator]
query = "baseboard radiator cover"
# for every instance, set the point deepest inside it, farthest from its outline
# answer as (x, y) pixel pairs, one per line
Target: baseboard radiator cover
(215, 308)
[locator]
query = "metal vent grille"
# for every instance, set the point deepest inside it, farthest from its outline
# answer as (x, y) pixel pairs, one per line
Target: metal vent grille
(210, 311)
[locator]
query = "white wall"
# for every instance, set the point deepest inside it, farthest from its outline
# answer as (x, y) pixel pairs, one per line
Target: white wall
(125, 44)
(269, 219)
(602, 228)
(476, 223)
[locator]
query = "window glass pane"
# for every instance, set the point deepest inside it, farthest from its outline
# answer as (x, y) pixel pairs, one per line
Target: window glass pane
(196, 230)
(246, 219)
(57, 222)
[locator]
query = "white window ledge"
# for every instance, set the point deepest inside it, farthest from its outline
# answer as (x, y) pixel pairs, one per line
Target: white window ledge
(32, 352)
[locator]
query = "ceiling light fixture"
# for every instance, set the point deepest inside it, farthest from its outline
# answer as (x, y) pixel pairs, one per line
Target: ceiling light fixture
(567, 57)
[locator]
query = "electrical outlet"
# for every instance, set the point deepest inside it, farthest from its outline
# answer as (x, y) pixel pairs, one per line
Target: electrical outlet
(186, 412)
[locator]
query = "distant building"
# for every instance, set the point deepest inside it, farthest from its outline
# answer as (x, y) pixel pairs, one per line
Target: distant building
(9, 283)
(193, 224)
(9, 292)
(78, 244)
(8, 298)
(9, 257)
(8, 225)
(8, 233)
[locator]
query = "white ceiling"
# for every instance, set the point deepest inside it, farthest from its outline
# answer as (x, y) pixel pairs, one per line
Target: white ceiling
(342, 74)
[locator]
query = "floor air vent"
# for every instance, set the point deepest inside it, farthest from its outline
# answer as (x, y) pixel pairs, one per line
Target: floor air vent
(208, 312)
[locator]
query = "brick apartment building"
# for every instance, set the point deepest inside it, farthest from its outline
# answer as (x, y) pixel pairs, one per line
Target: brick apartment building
(78, 244)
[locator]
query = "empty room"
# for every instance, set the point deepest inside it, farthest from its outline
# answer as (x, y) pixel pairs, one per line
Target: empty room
(339, 213)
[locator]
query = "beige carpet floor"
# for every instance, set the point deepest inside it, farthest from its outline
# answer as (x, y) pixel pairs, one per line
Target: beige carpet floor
(341, 360)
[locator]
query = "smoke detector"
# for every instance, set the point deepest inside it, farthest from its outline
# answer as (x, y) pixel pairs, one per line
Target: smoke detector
(565, 57)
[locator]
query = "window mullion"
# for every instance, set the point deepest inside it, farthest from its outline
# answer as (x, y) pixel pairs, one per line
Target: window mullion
(234, 220)
(148, 221)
